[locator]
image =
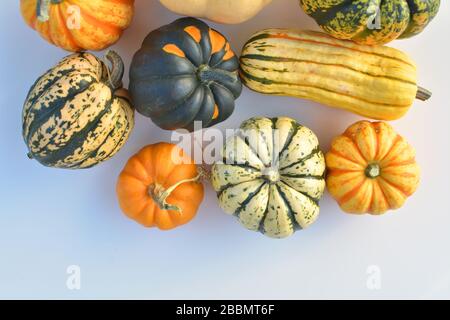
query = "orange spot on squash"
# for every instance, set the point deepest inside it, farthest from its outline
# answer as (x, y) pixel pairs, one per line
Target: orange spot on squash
(216, 112)
(173, 49)
(228, 55)
(217, 41)
(194, 32)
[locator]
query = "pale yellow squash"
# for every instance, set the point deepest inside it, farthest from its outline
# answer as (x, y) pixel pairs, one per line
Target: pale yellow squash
(222, 11)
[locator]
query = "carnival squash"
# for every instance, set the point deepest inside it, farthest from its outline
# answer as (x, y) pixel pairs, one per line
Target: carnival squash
(375, 82)
(271, 177)
(77, 114)
(160, 187)
(78, 25)
(372, 22)
(371, 169)
(185, 73)
(222, 11)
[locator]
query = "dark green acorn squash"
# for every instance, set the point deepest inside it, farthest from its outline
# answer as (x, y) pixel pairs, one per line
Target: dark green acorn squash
(185, 72)
(372, 22)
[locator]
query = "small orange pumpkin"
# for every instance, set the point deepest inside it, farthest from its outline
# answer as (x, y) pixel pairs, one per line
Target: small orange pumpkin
(159, 187)
(78, 25)
(371, 169)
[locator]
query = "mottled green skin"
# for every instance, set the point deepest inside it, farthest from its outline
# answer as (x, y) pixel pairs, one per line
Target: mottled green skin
(358, 20)
(73, 117)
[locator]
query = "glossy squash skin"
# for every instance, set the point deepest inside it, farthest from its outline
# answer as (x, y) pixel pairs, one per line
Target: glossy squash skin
(78, 25)
(221, 11)
(159, 187)
(372, 22)
(271, 177)
(77, 114)
(184, 73)
(371, 169)
(375, 82)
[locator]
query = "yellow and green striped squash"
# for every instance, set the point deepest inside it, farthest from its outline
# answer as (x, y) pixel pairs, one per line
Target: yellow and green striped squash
(77, 115)
(375, 82)
(271, 176)
(372, 22)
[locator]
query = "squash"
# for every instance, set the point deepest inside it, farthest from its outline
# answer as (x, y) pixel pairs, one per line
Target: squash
(375, 82)
(77, 114)
(78, 25)
(271, 177)
(159, 187)
(222, 11)
(371, 169)
(372, 22)
(185, 73)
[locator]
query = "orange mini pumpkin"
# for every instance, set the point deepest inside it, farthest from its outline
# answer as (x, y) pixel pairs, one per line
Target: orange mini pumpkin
(159, 187)
(78, 25)
(371, 169)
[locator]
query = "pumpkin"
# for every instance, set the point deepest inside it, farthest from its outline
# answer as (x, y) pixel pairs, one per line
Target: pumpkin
(372, 22)
(371, 169)
(184, 73)
(271, 177)
(77, 114)
(222, 11)
(159, 187)
(78, 25)
(375, 82)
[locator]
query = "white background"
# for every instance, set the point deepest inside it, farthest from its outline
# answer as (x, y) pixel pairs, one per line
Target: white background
(51, 219)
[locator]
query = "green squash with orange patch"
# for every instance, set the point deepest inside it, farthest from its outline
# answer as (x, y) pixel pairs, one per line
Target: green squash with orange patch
(185, 73)
(372, 22)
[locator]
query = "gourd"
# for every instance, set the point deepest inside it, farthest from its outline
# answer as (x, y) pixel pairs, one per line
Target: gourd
(222, 11)
(78, 25)
(185, 73)
(372, 22)
(371, 169)
(375, 82)
(159, 187)
(77, 114)
(271, 177)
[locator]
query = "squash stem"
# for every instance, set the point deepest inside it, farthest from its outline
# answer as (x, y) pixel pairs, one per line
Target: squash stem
(423, 94)
(43, 9)
(115, 73)
(271, 174)
(207, 74)
(373, 170)
(160, 195)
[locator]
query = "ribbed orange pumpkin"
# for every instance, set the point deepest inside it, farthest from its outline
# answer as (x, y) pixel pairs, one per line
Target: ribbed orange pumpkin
(159, 187)
(78, 25)
(371, 169)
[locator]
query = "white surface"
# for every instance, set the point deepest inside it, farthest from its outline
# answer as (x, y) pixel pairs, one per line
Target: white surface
(51, 219)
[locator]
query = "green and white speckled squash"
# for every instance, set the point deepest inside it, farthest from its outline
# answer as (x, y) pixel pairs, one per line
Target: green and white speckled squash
(372, 22)
(77, 114)
(271, 177)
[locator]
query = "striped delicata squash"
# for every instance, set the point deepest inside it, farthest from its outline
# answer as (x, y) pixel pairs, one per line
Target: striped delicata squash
(77, 114)
(271, 177)
(375, 82)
